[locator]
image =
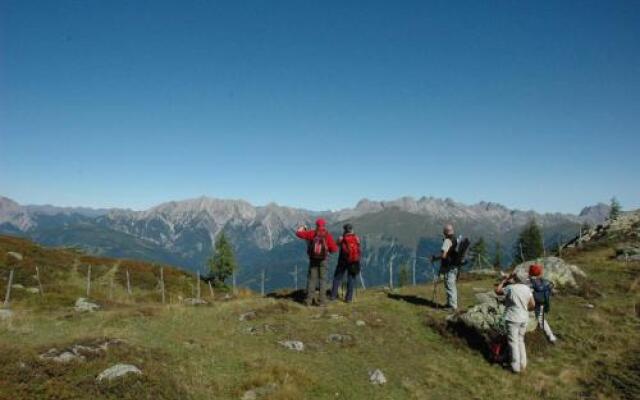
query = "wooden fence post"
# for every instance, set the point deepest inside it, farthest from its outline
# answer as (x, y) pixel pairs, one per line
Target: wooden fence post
(233, 281)
(162, 283)
(7, 297)
(391, 274)
(414, 271)
(198, 285)
(128, 283)
(111, 289)
(39, 281)
(89, 281)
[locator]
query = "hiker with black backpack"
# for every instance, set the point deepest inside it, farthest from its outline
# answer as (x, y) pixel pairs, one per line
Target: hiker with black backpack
(319, 244)
(451, 258)
(348, 261)
(542, 290)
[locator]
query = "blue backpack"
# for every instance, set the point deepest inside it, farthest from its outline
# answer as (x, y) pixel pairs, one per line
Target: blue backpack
(542, 291)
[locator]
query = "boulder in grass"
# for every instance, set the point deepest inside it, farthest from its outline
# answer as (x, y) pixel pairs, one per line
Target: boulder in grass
(376, 377)
(84, 305)
(118, 371)
(555, 270)
(292, 344)
(15, 255)
(193, 301)
(486, 318)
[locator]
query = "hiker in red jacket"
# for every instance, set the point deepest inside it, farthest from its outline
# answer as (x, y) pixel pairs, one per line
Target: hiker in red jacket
(348, 261)
(319, 244)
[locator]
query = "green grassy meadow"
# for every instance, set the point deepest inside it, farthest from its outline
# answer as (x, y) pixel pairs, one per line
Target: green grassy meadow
(206, 352)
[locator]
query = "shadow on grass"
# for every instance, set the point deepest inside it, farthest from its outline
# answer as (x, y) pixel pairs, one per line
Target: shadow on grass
(294, 295)
(415, 300)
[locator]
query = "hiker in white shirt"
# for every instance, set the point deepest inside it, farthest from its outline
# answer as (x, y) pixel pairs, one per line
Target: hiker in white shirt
(448, 267)
(518, 301)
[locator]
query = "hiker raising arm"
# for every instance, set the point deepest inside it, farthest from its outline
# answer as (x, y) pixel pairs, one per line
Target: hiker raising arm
(510, 279)
(319, 244)
(518, 302)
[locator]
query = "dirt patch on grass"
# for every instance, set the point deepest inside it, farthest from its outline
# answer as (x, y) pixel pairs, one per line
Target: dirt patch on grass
(24, 375)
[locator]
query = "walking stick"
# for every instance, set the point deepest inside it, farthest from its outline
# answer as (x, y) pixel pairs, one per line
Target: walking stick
(436, 276)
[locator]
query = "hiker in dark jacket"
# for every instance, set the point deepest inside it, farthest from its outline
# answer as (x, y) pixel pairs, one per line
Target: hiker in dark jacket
(319, 244)
(348, 261)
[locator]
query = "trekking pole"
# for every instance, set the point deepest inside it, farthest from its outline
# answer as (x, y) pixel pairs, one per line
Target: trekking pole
(436, 276)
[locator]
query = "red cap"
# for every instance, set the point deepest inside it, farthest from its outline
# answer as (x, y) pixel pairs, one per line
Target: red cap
(536, 270)
(320, 222)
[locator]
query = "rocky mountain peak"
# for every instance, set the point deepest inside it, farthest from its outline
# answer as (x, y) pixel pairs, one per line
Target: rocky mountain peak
(596, 213)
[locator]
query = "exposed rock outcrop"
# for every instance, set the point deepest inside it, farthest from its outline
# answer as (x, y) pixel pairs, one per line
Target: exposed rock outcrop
(555, 270)
(117, 371)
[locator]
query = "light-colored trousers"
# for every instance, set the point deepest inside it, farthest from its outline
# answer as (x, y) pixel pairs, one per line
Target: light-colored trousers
(543, 324)
(450, 277)
(515, 336)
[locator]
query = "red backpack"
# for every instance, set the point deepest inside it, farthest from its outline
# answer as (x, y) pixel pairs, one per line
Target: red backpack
(318, 246)
(351, 248)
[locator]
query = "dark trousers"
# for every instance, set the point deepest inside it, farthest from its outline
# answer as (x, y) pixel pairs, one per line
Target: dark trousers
(317, 272)
(341, 268)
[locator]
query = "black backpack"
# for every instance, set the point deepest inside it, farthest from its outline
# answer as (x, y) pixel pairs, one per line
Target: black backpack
(457, 254)
(542, 290)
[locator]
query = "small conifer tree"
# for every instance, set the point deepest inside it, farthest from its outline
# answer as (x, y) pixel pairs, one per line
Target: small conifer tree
(529, 243)
(479, 252)
(223, 262)
(497, 256)
(615, 210)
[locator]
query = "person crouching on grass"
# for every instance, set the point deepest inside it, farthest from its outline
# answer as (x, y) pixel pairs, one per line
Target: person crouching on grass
(518, 301)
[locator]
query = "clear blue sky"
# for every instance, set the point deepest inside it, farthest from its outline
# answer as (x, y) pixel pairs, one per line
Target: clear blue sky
(318, 104)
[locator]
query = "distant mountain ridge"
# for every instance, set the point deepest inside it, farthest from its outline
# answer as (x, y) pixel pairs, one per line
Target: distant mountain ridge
(183, 232)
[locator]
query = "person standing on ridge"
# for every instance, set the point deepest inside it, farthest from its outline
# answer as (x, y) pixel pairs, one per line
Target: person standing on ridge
(348, 261)
(319, 244)
(448, 267)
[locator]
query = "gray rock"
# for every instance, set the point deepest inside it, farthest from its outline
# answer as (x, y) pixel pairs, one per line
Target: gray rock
(77, 352)
(62, 357)
(261, 391)
(84, 305)
(376, 377)
(17, 286)
(117, 371)
(338, 338)
(248, 316)
(15, 255)
(360, 323)
(33, 290)
(486, 317)
(192, 301)
(292, 344)
(555, 270)
(487, 297)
